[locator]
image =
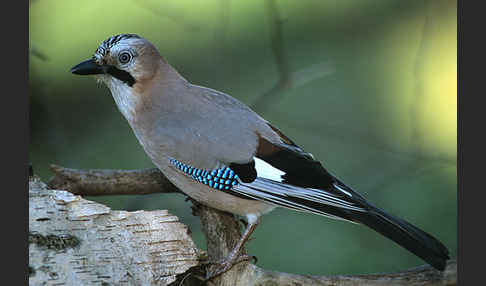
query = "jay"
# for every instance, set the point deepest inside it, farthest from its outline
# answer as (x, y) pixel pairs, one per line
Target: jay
(222, 154)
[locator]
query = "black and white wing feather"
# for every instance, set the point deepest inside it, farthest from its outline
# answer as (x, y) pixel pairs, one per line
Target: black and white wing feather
(284, 175)
(269, 187)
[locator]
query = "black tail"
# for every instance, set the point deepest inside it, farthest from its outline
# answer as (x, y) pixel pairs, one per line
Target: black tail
(408, 236)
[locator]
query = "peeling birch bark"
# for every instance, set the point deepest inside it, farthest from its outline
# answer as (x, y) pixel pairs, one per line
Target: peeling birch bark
(73, 241)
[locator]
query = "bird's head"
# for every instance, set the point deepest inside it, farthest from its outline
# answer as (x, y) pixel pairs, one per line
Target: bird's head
(125, 59)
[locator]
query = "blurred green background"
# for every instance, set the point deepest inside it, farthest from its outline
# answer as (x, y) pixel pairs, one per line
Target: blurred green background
(373, 97)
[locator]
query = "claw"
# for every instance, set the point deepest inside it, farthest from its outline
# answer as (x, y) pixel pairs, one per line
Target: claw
(235, 257)
(245, 224)
(226, 265)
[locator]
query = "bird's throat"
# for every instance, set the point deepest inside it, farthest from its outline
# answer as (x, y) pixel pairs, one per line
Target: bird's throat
(123, 95)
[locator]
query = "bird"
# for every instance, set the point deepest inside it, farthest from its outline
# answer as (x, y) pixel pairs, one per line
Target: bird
(222, 154)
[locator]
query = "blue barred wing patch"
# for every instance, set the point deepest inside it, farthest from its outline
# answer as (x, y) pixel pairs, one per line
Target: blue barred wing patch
(220, 179)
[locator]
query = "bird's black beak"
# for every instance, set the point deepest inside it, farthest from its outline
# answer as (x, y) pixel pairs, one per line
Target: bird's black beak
(91, 67)
(88, 67)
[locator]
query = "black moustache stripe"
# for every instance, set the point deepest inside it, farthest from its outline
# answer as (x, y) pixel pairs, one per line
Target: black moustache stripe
(121, 75)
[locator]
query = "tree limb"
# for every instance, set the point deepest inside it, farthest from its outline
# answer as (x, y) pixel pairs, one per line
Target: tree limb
(287, 78)
(37, 53)
(222, 231)
(110, 182)
(278, 49)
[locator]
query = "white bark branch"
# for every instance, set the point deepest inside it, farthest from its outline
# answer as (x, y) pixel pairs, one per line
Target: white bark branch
(78, 242)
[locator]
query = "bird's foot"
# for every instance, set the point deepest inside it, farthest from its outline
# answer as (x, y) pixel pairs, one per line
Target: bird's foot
(226, 264)
(244, 223)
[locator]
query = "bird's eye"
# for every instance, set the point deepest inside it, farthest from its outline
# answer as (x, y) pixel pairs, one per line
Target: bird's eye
(124, 57)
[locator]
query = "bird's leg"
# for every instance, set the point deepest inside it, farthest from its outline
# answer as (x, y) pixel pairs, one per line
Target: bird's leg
(234, 258)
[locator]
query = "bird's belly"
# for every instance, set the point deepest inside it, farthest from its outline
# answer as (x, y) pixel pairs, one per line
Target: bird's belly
(218, 199)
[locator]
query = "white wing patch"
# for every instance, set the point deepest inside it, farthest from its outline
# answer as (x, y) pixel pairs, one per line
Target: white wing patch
(267, 171)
